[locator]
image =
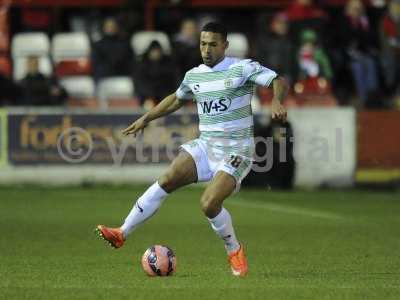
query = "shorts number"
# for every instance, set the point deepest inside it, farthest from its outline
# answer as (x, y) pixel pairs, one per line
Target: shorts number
(235, 161)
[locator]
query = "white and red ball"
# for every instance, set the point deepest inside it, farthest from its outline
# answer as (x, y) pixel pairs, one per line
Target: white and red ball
(159, 261)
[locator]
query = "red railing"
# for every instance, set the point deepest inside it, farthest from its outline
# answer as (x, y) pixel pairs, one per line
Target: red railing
(50, 3)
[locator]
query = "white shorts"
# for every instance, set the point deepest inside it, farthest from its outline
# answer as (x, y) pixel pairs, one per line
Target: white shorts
(210, 160)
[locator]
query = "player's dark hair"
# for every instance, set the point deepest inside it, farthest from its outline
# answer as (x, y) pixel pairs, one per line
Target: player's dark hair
(216, 28)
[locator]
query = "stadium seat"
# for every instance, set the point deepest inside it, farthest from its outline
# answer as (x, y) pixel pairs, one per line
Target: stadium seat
(70, 46)
(28, 44)
(80, 66)
(116, 92)
(45, 67)
(81, 91)
(71, 54)
(141, 40)
(238, 45)
(79, 86)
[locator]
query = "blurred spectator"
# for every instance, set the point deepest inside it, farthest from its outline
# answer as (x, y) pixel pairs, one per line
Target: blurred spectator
(356, 39)
(274, 47)
(38, 89)
(304, 10)
(9, 91)
(312, 59)
(304, 14)
(390, 40)
(112, 55)
(186, 47)
(280, 164)
(281, 175)
(155, 76)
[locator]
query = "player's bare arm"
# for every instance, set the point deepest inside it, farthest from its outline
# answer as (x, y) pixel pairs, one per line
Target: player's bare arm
(167, 106)
(280, 88)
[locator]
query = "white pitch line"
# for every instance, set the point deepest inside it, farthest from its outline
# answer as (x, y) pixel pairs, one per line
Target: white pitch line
(286, 209)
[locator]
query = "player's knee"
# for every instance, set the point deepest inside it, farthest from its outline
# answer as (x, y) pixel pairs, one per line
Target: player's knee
(167, 183)
(170, 181)
(210, 206)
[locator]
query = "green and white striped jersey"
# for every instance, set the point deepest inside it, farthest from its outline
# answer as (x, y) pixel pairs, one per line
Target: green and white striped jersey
(223, 95)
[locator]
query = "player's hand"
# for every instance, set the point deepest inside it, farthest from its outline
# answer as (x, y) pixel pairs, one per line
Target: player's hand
(278, 111)
(135, 128)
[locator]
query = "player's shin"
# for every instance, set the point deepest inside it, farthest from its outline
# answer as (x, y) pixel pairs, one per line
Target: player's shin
(222, 225)
(144, 208)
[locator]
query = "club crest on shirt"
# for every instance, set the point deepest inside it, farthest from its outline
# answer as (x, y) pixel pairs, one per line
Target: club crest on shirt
(228, 83)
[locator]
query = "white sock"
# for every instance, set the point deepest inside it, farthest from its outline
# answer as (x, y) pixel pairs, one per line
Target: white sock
(144, 208)
(222, 225)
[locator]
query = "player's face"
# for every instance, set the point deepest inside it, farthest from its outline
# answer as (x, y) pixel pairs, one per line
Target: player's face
(212, 47)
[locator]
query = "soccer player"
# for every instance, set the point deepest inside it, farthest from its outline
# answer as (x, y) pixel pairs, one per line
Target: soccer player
(222, 88)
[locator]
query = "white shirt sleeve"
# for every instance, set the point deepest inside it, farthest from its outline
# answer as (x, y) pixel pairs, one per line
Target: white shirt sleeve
(184, 92)
(258, 74)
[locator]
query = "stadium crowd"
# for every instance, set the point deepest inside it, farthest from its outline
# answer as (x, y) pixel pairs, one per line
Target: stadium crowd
(349, 57)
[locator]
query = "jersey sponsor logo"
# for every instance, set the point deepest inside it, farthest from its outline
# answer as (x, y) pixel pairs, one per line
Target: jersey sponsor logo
(215, 107)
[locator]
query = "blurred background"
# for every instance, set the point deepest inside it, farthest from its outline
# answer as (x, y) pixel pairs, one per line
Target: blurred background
(99, 64)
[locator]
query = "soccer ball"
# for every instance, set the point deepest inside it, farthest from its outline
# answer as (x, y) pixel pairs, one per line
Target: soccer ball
(159, 261)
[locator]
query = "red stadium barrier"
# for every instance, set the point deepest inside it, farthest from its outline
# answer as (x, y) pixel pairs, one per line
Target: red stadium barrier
(378, 139)
(65, 2)
(5, 66)
(84, 103)
(123, 103)
(309, 92)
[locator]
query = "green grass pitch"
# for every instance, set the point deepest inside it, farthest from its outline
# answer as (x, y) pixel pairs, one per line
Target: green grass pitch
(300, 245)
